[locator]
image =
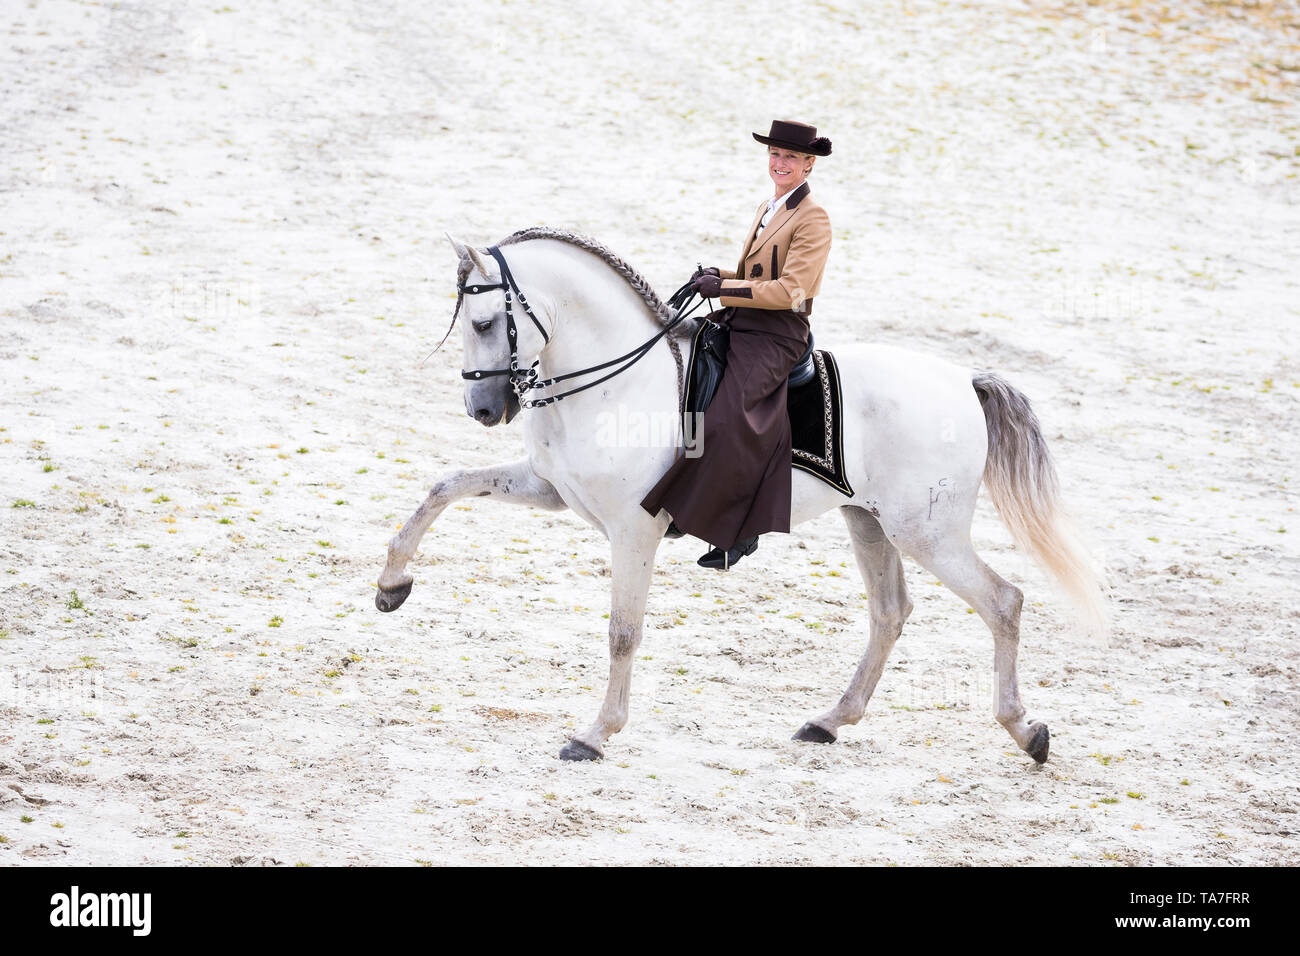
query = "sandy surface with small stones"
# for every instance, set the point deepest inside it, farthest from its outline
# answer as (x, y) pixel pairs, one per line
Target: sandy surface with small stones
(221, 263)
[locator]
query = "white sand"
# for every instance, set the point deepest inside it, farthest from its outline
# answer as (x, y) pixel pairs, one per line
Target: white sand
(221, 262)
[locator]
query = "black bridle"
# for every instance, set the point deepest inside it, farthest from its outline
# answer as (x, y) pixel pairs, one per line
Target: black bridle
(525, 380)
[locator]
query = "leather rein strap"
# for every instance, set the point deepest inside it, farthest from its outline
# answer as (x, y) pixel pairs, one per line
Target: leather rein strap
(526, 380)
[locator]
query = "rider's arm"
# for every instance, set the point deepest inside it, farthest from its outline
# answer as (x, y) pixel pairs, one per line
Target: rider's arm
(801, 272)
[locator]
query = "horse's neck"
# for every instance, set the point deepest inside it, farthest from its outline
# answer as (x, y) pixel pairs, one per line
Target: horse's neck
(598, 316)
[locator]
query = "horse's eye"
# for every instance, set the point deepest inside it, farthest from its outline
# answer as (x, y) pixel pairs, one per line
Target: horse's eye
(482, 325)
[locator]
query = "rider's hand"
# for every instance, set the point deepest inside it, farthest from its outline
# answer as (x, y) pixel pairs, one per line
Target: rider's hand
(708, 285)
(706, 271)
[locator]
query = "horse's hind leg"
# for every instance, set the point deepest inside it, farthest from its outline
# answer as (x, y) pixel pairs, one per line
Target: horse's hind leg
(998, 602)
(514, 482)
(882, 573)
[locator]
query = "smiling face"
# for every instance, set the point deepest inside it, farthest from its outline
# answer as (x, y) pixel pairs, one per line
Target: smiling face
(787, 168)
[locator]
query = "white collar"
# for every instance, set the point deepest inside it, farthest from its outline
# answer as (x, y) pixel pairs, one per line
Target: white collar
(773, 203)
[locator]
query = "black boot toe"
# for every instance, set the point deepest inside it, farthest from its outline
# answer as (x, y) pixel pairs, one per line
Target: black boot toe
(723, 560)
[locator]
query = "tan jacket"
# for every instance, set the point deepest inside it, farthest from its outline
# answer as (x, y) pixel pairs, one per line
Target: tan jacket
(782, 268)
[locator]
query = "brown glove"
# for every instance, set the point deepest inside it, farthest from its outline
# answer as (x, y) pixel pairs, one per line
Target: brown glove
(708, 285)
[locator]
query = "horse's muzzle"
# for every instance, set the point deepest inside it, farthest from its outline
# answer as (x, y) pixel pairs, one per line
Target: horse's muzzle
(495, 412)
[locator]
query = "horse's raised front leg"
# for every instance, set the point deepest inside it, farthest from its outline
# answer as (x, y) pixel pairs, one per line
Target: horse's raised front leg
(882, 573)
(514, 482)
(633, 565)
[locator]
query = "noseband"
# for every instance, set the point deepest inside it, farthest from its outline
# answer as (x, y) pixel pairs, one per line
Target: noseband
(525, 380)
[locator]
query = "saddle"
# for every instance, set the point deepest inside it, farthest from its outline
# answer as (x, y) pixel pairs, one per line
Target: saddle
(813, 401)
(709, 363)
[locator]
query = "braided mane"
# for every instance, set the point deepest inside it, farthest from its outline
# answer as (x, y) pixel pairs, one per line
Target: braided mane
(634, 278)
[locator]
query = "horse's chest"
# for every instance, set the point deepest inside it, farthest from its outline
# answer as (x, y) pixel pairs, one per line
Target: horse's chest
(559, 464)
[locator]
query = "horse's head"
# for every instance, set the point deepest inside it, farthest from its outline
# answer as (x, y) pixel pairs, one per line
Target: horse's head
(490, 399)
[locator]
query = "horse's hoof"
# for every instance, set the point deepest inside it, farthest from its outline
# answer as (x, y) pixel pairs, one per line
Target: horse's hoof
(577, 750)
(1038, 744)
(391, 600)
(811, 733)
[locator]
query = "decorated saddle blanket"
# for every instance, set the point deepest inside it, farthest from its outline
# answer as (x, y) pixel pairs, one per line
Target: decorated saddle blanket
(813, 402)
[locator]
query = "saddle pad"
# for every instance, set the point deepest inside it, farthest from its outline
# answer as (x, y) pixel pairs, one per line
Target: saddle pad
(816, 420)
(814, 408)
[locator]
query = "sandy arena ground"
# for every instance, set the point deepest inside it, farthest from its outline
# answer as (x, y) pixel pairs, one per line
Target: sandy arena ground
(221, 262)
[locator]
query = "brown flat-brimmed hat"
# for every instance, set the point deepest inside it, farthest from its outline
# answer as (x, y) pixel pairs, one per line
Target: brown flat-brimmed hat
(800, 137)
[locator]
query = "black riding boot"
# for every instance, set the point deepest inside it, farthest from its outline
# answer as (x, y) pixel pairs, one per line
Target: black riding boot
(723, 560)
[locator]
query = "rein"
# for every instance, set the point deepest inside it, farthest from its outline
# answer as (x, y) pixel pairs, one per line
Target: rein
(526, 380)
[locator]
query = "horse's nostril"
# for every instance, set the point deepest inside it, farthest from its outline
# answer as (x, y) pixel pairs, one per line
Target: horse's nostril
(484, 415)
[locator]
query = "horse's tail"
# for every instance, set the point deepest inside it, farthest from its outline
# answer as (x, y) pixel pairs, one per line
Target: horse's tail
(1022, 482)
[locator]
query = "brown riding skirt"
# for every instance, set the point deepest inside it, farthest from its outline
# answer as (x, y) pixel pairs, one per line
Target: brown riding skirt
(739, 486)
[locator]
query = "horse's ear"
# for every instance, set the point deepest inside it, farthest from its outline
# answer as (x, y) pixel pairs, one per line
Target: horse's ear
(459, 247)
(476, 257)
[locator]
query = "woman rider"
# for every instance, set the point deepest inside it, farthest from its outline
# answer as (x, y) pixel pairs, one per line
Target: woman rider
(739, 486)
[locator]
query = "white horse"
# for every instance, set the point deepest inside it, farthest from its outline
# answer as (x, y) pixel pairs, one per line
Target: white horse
(919, 436)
